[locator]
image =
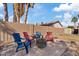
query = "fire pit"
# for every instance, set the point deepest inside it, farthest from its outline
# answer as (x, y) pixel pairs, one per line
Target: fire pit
(41, 43)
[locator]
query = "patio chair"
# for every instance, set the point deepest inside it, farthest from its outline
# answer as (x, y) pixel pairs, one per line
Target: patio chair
(49, 37)
(19, 42)
(27, 37)
(38, 35)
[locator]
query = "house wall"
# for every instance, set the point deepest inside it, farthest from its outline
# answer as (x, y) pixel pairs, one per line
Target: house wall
(57, 25)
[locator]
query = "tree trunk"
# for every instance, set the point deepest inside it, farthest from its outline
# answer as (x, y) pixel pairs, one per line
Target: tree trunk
(14, 17)
(18, 18)
(18, 15)
(5, 12)
(26, 12)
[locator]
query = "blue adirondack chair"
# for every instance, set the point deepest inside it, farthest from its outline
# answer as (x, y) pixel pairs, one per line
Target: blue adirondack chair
(38, 35)
(20, 44)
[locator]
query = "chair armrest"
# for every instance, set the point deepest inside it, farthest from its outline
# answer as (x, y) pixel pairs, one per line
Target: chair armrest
(18, 42)
(22, 38)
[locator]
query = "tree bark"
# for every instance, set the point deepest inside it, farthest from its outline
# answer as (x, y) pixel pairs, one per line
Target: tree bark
(5, 12)
(26, 12)
(18, 18)
(18, 11)
(14, 17)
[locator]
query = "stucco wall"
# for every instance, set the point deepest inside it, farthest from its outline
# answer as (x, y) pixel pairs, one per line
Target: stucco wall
(57, 25)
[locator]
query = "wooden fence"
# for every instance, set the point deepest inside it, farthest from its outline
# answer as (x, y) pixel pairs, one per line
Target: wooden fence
(5, 37)
(31, 29)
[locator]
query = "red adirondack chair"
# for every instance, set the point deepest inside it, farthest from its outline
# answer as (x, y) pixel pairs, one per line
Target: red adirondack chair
(49, 37)
(26, 35)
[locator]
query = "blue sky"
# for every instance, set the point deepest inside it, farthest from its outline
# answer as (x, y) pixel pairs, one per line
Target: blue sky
(47, 12)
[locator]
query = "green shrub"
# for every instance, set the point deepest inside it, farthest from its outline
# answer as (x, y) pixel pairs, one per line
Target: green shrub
(72, 27)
